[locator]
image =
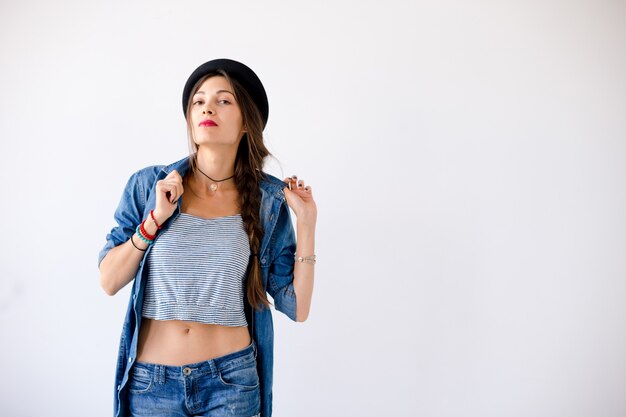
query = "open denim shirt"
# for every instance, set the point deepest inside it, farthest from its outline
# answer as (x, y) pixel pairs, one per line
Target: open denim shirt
(276, 256)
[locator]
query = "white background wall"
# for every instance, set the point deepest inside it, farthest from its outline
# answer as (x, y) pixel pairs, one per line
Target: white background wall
(468, 162)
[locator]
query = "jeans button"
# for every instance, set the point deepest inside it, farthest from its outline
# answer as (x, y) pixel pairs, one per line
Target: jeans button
(186, 371)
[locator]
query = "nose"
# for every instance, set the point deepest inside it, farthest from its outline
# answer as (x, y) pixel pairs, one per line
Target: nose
(207, 111)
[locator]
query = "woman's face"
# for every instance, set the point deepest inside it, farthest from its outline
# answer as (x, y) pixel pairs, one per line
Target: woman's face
(215, 115)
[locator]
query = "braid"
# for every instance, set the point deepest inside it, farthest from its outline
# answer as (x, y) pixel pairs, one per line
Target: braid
(247, 181)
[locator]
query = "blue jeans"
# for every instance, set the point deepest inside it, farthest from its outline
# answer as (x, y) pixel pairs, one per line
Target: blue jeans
(224, 386)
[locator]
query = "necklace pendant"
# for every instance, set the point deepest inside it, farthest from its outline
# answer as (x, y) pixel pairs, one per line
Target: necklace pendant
(213, 187)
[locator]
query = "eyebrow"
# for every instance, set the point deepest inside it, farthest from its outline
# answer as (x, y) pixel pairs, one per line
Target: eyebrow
(217, 92)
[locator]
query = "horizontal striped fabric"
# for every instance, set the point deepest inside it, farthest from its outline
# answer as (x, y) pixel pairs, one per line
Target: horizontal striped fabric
(196, 271)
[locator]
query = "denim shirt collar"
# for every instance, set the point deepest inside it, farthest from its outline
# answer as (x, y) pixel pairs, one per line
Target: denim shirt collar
(270, 185)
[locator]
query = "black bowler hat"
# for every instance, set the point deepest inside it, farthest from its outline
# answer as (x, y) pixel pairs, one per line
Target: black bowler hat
(240, 72)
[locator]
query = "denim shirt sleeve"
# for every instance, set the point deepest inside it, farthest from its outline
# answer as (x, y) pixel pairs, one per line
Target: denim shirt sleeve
(280, 282)
(128, 215)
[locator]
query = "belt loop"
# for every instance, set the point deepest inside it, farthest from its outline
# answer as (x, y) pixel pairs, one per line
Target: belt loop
(161, 374)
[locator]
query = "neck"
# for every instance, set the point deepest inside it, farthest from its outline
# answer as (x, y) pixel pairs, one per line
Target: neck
(218, 164)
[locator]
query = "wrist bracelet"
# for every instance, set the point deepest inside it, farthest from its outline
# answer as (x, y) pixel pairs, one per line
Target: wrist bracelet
(136, 247)
(305, 259)
(142, 237)
(154, 220)
(145, 232)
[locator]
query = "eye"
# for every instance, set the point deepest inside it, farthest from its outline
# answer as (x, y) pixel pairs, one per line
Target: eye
(224, 101)
(197, 102)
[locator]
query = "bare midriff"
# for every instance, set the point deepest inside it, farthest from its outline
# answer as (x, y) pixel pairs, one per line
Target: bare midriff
(177, 343)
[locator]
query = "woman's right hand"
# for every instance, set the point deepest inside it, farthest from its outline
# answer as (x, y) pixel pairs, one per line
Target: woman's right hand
(168, 190)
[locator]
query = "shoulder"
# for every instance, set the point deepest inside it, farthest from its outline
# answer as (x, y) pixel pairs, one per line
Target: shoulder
(143, 178)
(150, 171)
(272, 186)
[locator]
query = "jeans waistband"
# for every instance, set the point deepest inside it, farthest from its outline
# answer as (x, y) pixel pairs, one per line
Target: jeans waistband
(209, 367)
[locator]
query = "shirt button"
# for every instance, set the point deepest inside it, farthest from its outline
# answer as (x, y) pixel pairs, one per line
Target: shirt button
(119, 387)
(134, 296)
(186, 371)
(271, 216)
(263, 260)
(130, 360)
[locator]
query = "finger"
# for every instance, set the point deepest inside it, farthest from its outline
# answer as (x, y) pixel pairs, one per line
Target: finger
(175, 183)
(179, 189)
(290, 181)
(168, 187)
(173, 195)
(162, 187)
(300, 184)
(308, 189)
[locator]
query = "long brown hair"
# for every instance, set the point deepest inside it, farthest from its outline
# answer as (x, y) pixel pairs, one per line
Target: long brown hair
(249, 162)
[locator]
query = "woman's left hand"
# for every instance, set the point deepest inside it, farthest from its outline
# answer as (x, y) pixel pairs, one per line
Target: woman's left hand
(300, 199)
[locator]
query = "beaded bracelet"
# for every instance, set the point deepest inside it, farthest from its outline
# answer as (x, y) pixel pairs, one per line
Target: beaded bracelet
(142, 237)
(145, 232)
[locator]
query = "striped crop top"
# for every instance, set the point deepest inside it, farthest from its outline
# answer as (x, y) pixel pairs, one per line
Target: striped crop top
(196, 271)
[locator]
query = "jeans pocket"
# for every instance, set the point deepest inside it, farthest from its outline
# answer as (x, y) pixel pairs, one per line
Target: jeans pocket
(140, 380)
(243, 377)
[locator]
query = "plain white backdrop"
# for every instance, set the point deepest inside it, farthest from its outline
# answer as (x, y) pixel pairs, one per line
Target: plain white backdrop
(468, 163)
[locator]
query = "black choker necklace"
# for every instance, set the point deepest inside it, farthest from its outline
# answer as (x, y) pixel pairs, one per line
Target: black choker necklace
(214, 186)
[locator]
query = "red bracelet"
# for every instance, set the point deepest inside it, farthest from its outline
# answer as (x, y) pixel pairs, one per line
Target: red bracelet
(145, 233)
(154, 220)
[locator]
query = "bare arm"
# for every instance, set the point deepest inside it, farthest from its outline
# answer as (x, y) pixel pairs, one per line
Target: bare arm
(303, 272)
(120, 265)
(300, 199)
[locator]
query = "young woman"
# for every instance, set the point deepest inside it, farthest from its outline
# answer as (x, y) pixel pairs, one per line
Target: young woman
(205, 239)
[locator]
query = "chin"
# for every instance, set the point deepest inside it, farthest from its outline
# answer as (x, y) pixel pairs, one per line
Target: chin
(214, 143)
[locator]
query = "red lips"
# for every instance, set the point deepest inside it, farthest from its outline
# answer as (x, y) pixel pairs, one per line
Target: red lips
(208, 122)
